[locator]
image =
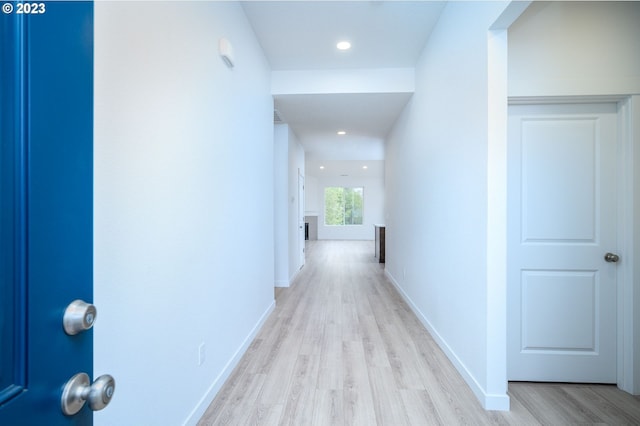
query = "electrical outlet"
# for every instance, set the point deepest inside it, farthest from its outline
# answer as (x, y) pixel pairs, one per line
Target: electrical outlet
(202, 353)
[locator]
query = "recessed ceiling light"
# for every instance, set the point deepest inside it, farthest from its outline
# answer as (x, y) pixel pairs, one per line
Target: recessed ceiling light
(343, 45)
(365, 167)
(321, 167)
(342, 132)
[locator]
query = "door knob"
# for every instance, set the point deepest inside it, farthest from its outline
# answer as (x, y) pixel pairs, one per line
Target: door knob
(610, 257)
(79, 316)
(77, 391)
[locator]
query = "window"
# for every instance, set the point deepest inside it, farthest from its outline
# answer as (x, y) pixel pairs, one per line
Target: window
(343, 206)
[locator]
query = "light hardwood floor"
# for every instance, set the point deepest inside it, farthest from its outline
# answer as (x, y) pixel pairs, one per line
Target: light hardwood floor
(343, 348)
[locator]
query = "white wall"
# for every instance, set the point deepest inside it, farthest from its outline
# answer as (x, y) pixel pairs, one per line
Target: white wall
(373, 206)
(437, 196)
(575, 48)
(296, 165)
(289, 159)
(183, 149)
(591, 49)
(281, 205)
(312, 204)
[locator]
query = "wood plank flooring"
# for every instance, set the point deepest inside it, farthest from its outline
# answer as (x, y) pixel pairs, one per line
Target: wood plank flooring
(343, 348)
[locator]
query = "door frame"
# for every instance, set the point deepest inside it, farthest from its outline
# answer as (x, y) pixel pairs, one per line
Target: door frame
(301, 221)
(627, 367)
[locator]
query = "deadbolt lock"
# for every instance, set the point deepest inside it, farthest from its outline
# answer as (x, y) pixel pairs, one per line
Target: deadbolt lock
(79, 316)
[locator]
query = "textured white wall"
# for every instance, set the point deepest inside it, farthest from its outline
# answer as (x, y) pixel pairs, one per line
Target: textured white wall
(296, 164)
(437, 195)
(281, 203)
(184, 184)
(289, 159)
(575, 48)
(312, 205)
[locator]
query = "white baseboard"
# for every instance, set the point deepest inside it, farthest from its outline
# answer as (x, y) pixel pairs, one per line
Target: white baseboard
(496, 402)
(285, 283)
(211, 393)
(488, 401)
(282, 283)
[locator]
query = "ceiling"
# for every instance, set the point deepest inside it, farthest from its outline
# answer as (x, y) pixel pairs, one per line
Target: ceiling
(302, 35)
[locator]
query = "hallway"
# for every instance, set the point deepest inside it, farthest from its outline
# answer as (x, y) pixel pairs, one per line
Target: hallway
(343, 348)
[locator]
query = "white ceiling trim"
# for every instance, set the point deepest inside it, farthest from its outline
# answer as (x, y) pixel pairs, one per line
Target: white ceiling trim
(378, 80)
(337, 169)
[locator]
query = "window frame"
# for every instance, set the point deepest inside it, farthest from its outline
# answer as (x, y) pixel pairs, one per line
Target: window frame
(343, 188)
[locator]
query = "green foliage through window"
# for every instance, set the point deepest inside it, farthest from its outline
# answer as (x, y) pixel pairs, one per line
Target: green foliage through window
(343, 206)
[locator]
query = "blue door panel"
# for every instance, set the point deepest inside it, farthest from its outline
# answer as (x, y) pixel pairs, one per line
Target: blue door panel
(12, 306)
(47, 181)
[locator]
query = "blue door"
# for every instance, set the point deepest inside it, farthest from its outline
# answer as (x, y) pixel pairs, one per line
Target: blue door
(46, 180)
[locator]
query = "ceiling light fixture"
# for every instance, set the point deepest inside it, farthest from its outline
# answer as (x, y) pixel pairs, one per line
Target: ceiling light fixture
(321, 167)
(342, 132)
(343, 45)
(365, 167)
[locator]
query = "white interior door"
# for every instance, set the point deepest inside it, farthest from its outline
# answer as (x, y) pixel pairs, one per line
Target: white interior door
(561, 223)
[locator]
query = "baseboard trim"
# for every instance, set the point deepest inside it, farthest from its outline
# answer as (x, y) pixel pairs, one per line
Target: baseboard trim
(205, 401)
(488, 401)
(282, 283)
